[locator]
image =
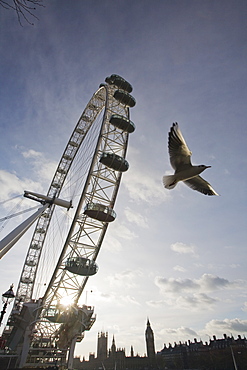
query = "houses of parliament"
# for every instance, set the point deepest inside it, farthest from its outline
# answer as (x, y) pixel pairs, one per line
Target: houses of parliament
(226, 353)
(115, 358)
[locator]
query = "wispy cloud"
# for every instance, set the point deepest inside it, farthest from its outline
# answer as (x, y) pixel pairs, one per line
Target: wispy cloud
(195, 293)
(112, 244)
(144, 188)
(135, 217)
(182, 248)
(156, 303)
(126, 279)
(144, 184)
(211, 283)
(206, 282)
(172, 285)
(122, 231)
(129, 299)
(226, 326)
(180, 333)
(119, 231)
(113, 297)
(179, 268)
(195, 301)
(213, 327)
(44, 168)
(32, 154)
(11, 185)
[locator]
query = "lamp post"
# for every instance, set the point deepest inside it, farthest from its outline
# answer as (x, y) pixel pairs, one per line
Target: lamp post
(7, 298)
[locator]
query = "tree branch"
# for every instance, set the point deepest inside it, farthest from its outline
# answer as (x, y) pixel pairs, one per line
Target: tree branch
(23, 8)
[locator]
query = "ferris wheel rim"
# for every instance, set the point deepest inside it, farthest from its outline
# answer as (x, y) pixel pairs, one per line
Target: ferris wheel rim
(55, 188)
(99, 195)
(83, 196)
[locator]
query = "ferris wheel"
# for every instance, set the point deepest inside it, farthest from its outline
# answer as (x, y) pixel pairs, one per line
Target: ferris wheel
(69, 233)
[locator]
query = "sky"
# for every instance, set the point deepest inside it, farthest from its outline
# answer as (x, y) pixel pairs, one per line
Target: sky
(177, 257)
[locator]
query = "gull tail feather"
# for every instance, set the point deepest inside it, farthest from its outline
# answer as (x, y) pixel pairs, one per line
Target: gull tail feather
(169, 181)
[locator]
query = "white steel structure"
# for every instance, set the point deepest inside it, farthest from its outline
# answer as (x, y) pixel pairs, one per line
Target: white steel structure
(66, 242)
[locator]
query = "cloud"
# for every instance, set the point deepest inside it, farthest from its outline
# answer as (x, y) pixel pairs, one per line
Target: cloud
(143, 184)
(192, 302)
(180, 333)
(119, 230)
(11, 184)
(210, 282)
(179, 268)
(112, 244)
(195, 301)
(235, 326)
(100, 296)
(156, 303)
(206, 282)
(44, 169)
(32, 154)
(144, 187)
(175, 335)
(123, 232)
(172, 285)
(125, 278)
(135, 217)
(214, 327)
(245, 307)
(128, 299)
(182, 248)
(113, 297)
(194, 293)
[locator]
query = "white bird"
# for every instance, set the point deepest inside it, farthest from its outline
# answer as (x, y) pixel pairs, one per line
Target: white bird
(184, 170)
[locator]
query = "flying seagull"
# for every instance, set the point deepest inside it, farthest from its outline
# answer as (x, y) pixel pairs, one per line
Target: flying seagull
(184, 170)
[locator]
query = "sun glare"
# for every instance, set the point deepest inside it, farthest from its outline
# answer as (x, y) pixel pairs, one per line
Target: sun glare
(66, 301)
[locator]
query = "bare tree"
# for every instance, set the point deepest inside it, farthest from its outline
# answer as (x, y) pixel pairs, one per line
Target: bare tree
(23, 8)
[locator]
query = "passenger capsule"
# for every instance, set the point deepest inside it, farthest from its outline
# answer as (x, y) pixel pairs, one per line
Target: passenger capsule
(26, 280)
(81, 266)
(114, 161)
(73, 143)
(125, 98)
(40, 230)
(36, 246)
(100, 212)
(30, 263)
(120, 82)
(122, 123)
(79, 130)
(62, 171)
(67, 157)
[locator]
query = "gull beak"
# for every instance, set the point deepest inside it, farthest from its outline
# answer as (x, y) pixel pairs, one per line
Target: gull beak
(208, 166)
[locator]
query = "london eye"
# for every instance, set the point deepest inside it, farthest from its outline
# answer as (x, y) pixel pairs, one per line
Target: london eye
(69, 233)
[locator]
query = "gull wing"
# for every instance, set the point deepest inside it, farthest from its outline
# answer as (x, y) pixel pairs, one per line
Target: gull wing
(199, 184)
(178, 149)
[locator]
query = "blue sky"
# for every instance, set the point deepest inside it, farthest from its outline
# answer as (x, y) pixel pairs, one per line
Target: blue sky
(177, 257)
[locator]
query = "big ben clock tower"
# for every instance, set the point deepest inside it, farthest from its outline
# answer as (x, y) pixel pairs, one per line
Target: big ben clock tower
(150, 341)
